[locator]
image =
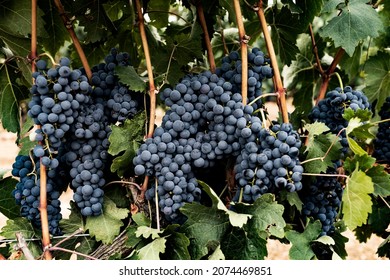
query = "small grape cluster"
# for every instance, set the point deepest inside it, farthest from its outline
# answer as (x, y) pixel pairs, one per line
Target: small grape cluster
(322, 200)
(330, 110)
(270, 163)
(27, 192)
(381, 142)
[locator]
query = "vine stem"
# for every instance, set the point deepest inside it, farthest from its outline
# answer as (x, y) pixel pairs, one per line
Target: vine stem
(22, 245)
(279, 88)
(42, 169)
(149, 68)
(244, 51)
(325, 175)
(315, 50)
(69, 26)
(327, 75)
(202, 20)
(152, 89)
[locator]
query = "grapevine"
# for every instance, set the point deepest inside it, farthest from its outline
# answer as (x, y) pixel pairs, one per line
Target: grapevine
(157, 118)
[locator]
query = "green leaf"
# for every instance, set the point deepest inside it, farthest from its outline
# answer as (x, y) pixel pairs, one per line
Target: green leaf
(379, 219)
(353, 145)
(363, 162)
(294, 8)
(18, 45)
(242, 245)
(15, 18)
(355, 23)
(217, 254)
(331, 5)
(236, 219)
(54, 26)
(152, 250)
(114, 9)
(106, 226)
(132, 240)
(356, 199)
(301, 249)
(140, 219)
(350, 64)
(267, 215)
(159, 16)
(294, 200)
(325, 239)
(381, 180)
(128, 76)
(146, 232)
(204, 225)
(10, 96)
(126, 138)
(362, 114)
(377, 74)
(384, 248)
(176, 245)
(8, 205)
(317, 147)
(23, 226)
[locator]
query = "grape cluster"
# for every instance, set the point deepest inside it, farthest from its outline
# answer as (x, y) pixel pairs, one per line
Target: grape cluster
(87, 156)
(27, 192)
(270, 163)
(120, 103)
(330, 110)
(381, 142)
(206, 122)
(54, 104)
(322, 200)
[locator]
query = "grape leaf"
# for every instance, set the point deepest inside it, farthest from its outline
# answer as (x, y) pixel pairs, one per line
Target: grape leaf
(242, 245)
(10, 96)
(294, 200)
(379, 219)
(294, 8)
(147, 232)
(54, 26)
(16, 18)
(353, 124)
(114, 9)
(23, 226)
(140, 219)
(362, 114)
(124, 141)
(204, 225)
(301, 249)
(158, 13)
(356, 22)
(363, 162)
(8, 206)
(356, 199)
(18, 45)
(74, 222)
(106, 226)
(152, 250)
(236, 219)
(384, 248)
(132, 240)
(217, 254)
(381, 180)
(176, 245)
(267, 215)
(350, 64)
(317, 147)
(128, 76)
(377, 74)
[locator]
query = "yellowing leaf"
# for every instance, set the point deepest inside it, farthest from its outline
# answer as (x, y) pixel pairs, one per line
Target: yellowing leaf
(152, 250)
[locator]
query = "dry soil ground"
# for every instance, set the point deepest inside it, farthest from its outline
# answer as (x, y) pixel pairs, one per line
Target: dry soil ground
(276, 250)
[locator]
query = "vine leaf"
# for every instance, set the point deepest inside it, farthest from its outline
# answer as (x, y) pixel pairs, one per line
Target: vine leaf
(54, 26)
(23, 226)
(236, 219)
(317, 146)
(353, 125)
(176, 245)
(147, 232)
(377, 74)
(124, 141)
(128, 76)
(301, 249)
(356, 22)
(204, 226)
(10, 96)
(106, 226)
(357, 202)
(8, 206)
(152, 250)
(381, 180)
(267, 215)
(16, 18)
(242, 245)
